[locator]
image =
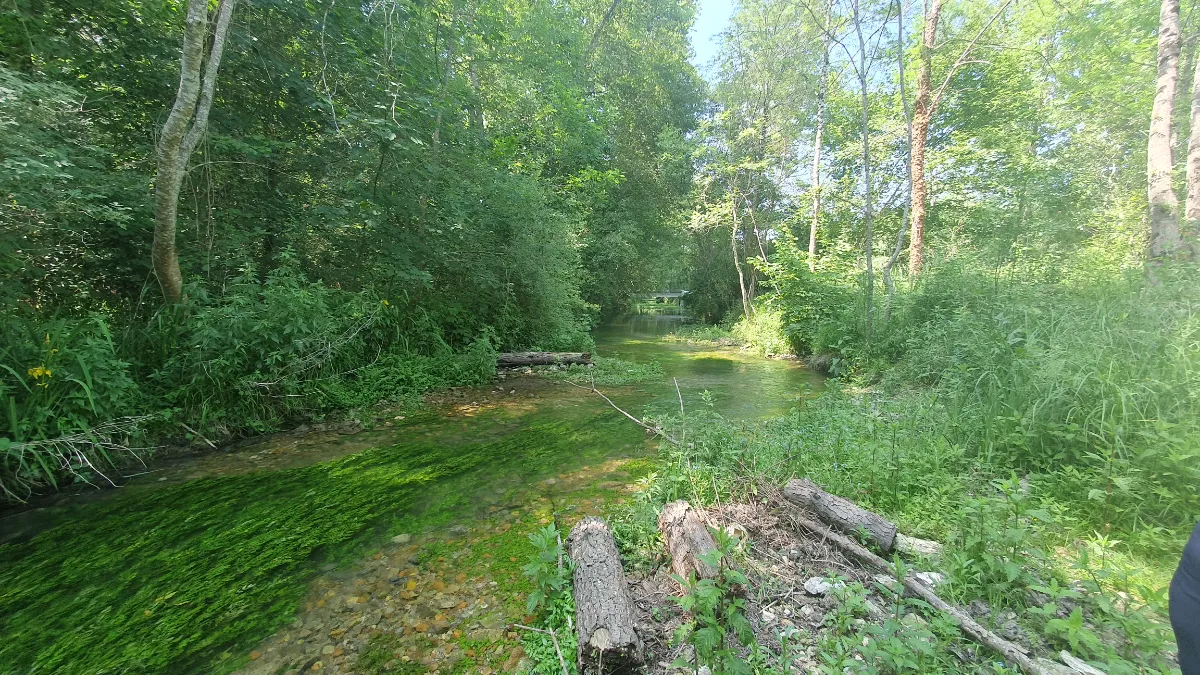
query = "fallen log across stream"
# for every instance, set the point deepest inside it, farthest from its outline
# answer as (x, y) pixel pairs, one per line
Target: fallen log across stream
(604, 614)
(518, 359)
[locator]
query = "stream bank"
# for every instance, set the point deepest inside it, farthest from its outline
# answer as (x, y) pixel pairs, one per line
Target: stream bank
(192, 573)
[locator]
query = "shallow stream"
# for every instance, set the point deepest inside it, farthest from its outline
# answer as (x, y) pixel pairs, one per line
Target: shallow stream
(354, 550)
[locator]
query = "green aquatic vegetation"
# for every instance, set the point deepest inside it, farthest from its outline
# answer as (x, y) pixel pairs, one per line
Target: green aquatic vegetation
(185, 578)
(701, 333)
(607, 372)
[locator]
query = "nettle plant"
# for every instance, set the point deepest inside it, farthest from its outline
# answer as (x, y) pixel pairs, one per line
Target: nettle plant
(717, 613)
(549, 569)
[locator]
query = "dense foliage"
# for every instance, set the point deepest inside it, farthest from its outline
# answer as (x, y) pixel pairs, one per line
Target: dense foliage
(1053, 348)
(382, 185)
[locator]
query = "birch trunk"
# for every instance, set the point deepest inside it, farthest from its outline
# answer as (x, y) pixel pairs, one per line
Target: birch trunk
(868, 206)
(182, 131)
(1164, 204)
(887, 269)
(733, 230)
(1191, 211)
(822, 87)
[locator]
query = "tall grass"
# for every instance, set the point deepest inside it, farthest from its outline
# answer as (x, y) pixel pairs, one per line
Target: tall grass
(1091, 389)
(1095, 389)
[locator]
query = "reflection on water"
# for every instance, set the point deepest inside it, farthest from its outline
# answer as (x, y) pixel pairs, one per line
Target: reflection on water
(742, 385)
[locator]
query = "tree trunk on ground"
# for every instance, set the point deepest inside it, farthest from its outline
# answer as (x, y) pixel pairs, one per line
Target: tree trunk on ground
(603, 606)
(185, 126)
(1012, 653)
(843, 514)
(918, 137)
(517, 359)
(868, 207)
(687, 539)
(1191, 211)
(822, 87)
(1160, 162)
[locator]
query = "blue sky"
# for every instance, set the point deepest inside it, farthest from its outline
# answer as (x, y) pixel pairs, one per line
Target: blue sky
(712, 16)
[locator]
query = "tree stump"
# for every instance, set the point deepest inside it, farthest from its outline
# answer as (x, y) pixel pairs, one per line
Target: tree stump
(603, 606)
(843, 514)
(687, 539)
(516, 359)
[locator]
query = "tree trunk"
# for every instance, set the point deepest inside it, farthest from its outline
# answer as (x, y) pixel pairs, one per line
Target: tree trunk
(1012, 653)
(184, 128)
(608, 17)
(516, 359)
(687, 539)
(887, 269)
(435, 144)
(603, 606)
(868, 207)
(918, 136)
(1160, 161)
(822, 87)
(733, 230)
(843, 514)
(1191, 212)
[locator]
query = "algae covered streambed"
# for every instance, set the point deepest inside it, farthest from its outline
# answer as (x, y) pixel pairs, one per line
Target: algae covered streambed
(399, 546)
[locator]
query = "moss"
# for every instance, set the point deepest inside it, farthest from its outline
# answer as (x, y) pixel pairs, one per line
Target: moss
(187, 578)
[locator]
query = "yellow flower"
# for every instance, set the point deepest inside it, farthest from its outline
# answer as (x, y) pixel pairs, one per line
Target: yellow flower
(39, 371)
(385, 303)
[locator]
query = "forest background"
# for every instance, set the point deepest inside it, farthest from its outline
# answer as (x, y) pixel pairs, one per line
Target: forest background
(972, 200)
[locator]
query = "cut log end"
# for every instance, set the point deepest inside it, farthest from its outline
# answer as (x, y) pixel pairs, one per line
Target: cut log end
(604, 613)
(687, 539)
(518, 359)
(843, 514)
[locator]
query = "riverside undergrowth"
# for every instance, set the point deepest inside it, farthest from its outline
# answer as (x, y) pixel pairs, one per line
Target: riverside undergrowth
(1035, 559)
(187, 578)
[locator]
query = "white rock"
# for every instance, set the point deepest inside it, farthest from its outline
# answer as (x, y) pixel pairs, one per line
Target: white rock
(885, 579)
(402, 539)
(820, 586)
(768, 616)
(874, 610)
(930, 579)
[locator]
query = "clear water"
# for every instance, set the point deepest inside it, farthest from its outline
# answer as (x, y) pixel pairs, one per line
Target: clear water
(739, 384)
(470, 478)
